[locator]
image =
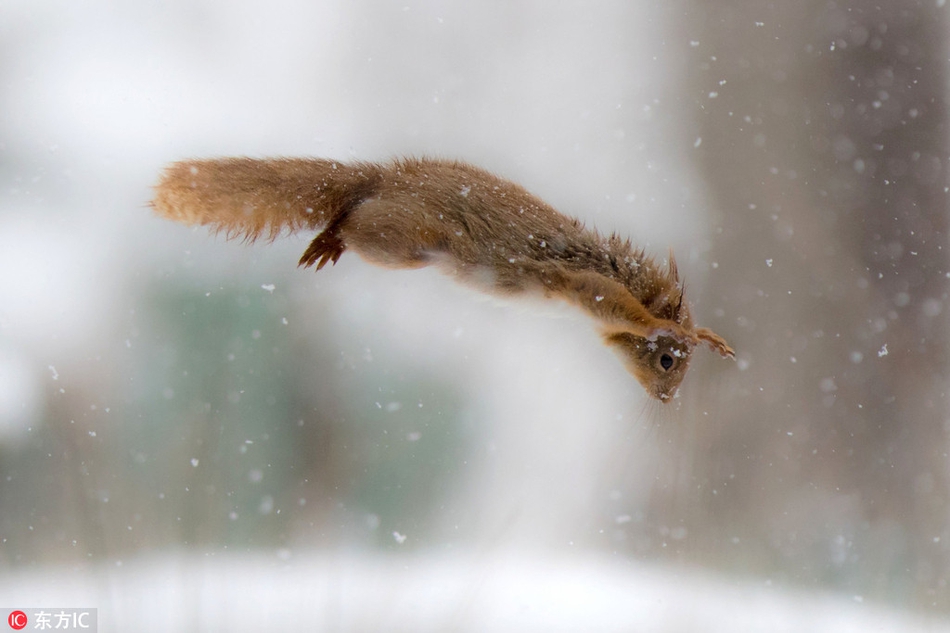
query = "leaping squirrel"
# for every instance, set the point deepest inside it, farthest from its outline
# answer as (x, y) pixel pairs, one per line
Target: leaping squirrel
(481, 229)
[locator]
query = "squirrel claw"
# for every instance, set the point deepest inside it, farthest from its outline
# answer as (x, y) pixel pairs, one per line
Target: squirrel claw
(326, 247)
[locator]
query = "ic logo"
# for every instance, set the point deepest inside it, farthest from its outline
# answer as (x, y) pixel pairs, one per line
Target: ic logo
(17, 620)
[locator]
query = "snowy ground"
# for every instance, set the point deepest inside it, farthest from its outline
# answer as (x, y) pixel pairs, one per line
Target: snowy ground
(339, 591)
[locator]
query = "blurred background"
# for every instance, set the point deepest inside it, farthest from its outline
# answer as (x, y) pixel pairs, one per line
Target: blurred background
(196, 435)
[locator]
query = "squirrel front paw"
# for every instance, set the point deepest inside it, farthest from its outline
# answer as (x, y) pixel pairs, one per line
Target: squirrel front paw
(673, 330)
(715, 342)
(693, 337)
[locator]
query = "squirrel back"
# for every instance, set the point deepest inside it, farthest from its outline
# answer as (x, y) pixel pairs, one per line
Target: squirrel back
(484, 230)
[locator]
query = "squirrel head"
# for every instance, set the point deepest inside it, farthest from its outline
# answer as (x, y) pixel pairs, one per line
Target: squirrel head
(659, 364)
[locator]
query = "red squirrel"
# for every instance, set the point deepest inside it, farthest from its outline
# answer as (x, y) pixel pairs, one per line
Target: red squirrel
(481, 229)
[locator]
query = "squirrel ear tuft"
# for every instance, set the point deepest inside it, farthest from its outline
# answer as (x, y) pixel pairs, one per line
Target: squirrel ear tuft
(674, 272)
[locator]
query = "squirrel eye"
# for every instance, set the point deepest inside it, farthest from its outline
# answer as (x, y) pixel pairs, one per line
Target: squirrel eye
(666, 361)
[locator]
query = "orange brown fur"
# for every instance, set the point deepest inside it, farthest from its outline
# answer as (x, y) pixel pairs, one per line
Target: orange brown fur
(484, 230)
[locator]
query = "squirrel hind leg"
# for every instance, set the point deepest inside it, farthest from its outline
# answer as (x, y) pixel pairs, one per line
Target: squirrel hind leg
(325, 247)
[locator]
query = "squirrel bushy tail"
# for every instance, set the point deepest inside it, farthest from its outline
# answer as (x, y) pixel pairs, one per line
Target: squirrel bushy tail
(251, 198)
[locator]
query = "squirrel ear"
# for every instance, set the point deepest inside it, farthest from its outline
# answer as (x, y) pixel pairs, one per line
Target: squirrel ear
(715, 342)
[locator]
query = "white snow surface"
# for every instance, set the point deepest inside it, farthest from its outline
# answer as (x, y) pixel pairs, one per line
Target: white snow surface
(360, 591)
